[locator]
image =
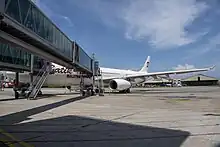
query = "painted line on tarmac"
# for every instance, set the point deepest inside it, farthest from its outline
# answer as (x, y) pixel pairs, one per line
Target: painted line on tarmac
(7, 143)
(10, 144)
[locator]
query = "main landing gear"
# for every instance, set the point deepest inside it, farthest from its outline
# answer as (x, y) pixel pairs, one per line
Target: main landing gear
(125, 91)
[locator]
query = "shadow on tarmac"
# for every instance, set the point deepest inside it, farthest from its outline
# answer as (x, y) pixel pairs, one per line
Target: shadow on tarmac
(218, 145)
(38, 97)
(10, 99)
(74, 130)
(211, 114)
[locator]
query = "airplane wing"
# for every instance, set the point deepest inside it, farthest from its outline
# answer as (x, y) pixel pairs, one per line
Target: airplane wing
(139, 75)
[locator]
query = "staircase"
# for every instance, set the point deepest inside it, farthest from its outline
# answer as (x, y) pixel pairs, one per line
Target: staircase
(35, 87)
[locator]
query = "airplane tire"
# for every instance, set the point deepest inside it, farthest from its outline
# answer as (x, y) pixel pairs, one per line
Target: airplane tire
(128, 90)
(101, 91)
(83, 93)
(40, 92)
(92, 93)
(97, 90)
(123, 91)
(88, 92)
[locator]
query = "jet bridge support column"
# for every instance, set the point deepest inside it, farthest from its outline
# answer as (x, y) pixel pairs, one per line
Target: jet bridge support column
(32, 70)
(93, 70)
(82, 92)
(101, 91)
(2, 81)
(100, 85)
(16, 84)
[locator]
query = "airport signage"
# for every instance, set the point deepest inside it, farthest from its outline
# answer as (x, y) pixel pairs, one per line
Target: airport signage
(62, 70)
(70, 73)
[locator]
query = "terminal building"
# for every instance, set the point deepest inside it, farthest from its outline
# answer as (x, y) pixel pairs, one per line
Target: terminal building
(193, 80)
(200, 80)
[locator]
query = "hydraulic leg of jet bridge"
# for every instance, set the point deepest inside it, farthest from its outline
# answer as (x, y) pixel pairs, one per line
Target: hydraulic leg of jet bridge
(100, 85)
(32, 69)
(16, 84)
(82, 85)
(101, 89)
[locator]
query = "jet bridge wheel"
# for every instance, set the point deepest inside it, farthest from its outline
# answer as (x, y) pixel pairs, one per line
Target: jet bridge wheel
(16, 95)
(83, 93)
(96, 90)
(92, 92)
(40, 93)
(27, 94)
(101, 90)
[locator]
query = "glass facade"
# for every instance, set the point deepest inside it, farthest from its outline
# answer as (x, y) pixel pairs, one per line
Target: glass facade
(27, 14)
(18, 56)
(13, 55)
(84, 59)
(38, 62)
(96, 67)
(77, 48)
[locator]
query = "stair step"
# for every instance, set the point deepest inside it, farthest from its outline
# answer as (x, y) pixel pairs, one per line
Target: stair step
(39, 81)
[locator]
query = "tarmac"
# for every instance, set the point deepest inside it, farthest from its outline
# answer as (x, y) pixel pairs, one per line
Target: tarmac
(152, 117)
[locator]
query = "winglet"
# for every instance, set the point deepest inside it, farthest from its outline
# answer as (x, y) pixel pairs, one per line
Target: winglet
(211, 68)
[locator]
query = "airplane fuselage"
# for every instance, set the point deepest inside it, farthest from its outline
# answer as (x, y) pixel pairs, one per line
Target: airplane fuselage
(118, 79)
(120, 73)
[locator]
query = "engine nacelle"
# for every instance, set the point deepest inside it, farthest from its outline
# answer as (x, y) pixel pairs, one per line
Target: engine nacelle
(119, 84)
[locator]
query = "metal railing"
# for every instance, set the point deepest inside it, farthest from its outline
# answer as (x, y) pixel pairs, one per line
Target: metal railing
(39, 81)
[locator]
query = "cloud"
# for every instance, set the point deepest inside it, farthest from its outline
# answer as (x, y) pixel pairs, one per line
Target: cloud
(214, 72)
(70, 23)
(51, 14)
(105, 11)
(182, 67)
(212, 44)
(162, 22)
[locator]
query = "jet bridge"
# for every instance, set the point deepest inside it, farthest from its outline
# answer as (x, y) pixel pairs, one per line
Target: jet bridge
(26, 30)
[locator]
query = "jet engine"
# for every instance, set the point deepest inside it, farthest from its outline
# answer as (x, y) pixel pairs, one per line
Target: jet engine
(119, 84)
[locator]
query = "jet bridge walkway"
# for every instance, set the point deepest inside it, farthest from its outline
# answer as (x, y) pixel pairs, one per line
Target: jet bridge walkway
(26, 30)
(24, 25)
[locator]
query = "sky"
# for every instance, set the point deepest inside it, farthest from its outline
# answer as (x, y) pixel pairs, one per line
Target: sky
(177, 34)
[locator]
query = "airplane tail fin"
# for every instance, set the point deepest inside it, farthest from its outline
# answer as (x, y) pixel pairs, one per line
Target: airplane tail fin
(146, 65)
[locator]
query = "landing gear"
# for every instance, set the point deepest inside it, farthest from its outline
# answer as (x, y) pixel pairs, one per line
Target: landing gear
(125, 91)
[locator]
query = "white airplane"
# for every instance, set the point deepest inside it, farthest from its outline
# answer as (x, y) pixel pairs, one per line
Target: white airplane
(122, 80)
(117, 79)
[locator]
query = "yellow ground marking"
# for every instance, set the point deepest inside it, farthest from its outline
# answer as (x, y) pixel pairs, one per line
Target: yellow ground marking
(6, 142)
(24, 144)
